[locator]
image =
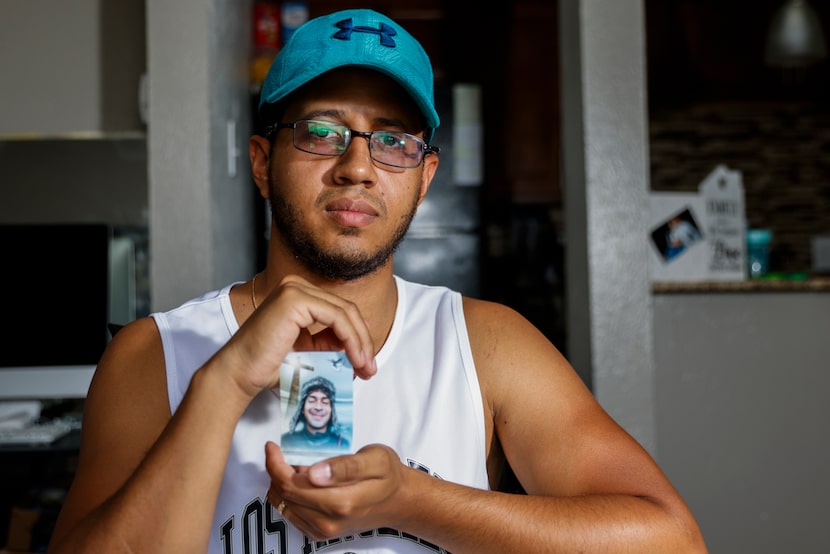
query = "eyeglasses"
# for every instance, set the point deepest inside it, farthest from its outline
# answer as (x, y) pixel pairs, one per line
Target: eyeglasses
(326, 138)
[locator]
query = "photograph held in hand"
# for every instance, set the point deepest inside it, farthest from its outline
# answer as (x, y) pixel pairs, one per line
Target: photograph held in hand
(316, 406)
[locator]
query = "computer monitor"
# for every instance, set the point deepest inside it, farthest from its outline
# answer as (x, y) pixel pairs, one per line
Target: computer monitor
(55, 288)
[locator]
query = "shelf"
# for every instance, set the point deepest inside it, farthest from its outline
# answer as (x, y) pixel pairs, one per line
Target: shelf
(74, 136)
(815, 284)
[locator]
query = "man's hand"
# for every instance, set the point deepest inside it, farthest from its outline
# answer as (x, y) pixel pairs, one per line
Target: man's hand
(339, 496)
(295, 316)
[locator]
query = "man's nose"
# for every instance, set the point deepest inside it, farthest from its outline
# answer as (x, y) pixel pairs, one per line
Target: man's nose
(355, 165)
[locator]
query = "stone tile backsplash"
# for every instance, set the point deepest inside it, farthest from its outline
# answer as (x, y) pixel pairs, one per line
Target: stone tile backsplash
(782, 150)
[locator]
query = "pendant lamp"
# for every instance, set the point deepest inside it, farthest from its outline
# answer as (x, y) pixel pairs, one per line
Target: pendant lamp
(795, 37)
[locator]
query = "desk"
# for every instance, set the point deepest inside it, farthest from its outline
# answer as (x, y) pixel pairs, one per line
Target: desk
(36, 476)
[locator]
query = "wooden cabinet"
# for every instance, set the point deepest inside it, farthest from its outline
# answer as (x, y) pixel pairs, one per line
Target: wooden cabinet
(531, 119)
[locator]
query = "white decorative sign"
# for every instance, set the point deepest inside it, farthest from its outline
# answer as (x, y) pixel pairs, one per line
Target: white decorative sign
(701, 236)
(725, 228)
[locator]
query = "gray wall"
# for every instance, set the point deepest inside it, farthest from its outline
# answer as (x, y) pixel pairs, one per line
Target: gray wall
(200, 192)
(70, 66)
(742, 385)
(605, 164)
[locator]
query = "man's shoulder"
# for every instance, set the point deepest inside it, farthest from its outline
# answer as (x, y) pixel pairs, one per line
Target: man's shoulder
(487, 312)
(195, 311)
(208, 297)
(497, 332)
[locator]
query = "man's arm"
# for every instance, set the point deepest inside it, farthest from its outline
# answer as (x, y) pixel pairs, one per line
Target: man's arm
(148, 482)
(590, 486)
(145, 480)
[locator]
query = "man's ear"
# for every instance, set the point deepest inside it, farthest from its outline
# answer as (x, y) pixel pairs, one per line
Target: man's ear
(427, 174)
(259, 149)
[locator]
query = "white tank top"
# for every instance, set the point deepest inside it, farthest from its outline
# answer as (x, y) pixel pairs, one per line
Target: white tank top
(424, 402)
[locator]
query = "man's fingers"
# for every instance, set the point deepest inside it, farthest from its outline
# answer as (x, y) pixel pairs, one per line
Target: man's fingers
(274, 460)
(371, 462)
(344, 325)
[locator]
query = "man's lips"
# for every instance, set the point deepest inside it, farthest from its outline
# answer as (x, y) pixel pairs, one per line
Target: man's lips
(318, 419)
(351, 213)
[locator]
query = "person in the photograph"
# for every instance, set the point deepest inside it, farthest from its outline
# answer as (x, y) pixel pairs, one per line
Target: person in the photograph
(314, 424)
(680, 235)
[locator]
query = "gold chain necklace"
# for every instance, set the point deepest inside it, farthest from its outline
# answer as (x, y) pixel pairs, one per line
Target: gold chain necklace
(253, 290)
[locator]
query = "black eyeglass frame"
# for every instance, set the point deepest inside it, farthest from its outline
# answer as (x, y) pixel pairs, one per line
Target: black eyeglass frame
(426, 148)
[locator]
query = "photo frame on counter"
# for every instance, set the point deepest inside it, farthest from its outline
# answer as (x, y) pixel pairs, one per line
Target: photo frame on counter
(677, 245)
(699, 236)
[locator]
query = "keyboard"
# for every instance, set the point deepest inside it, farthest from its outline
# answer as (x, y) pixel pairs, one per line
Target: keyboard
(35, 433)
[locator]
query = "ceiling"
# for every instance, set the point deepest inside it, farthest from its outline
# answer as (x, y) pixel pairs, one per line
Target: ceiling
(714, 50)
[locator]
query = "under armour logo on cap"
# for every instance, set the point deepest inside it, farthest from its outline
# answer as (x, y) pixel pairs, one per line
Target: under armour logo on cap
(385, 32)
(381, 45)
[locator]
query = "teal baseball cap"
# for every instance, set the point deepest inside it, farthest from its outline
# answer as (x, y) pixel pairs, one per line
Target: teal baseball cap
(359, 37)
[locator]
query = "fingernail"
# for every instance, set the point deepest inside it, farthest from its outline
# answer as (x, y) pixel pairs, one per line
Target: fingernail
(320, 473)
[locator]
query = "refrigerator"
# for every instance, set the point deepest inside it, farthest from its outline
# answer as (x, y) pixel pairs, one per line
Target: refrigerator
(443, 245)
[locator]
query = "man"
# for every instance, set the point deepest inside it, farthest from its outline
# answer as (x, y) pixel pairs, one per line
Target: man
(177, 452)
(314, 424)
(681, 234)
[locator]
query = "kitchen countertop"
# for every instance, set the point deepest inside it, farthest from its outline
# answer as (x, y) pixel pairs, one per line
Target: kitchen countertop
(814, 284)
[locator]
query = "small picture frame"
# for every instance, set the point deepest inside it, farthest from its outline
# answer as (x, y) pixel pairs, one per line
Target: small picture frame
(676, 234)
(317, 406)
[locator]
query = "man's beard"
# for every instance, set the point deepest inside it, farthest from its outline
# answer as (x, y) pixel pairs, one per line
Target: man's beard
(336, 266)
(314, 429)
